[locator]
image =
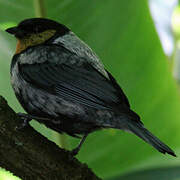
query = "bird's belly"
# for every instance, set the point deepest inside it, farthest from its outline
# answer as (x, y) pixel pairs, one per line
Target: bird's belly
(64, 116)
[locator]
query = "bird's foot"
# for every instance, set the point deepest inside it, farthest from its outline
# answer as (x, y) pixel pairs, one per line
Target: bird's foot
(75, 151)
(26, 118)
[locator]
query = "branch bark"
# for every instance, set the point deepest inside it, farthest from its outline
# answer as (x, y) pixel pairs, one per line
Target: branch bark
(29, 155)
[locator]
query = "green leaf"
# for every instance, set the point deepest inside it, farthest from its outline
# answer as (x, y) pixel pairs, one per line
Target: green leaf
(4, 26)
(16, 10)
(123, 35)
(172, 173)
(5, 175)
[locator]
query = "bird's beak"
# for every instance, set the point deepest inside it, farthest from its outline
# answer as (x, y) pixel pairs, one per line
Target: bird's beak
(16, 31)
(12, 30)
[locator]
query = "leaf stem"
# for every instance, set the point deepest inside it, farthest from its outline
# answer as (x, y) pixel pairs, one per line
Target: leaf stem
(39, 8)
(40, 12)
(60, 140)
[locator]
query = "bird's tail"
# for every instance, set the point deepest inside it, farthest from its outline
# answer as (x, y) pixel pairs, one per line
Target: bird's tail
(148, 137)
(137, 127)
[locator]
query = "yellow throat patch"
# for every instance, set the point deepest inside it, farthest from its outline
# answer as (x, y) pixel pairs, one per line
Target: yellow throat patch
(33, 39)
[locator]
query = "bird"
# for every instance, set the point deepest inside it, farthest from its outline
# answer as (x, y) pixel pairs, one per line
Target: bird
(61, 83)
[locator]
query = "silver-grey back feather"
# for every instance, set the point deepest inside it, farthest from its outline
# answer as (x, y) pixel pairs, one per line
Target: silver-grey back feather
(77, 46)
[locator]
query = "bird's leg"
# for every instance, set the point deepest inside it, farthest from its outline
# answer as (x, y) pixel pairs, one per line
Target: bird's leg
(23, 115)
(75, 151)
(27, 118)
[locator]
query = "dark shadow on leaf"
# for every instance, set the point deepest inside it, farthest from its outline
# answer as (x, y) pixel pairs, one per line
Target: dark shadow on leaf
(168, 173)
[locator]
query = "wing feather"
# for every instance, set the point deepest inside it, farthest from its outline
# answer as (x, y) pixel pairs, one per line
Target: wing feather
(82, 84)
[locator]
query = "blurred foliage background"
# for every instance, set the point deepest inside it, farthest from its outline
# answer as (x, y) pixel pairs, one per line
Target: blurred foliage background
(125, 37)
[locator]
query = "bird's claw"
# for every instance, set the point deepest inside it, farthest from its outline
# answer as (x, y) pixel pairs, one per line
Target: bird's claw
(74, 152)
(25, 121)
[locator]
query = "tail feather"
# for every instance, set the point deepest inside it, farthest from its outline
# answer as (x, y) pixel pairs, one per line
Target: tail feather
(143, 133)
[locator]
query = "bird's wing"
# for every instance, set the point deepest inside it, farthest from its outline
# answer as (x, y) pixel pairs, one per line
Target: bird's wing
(82, 84)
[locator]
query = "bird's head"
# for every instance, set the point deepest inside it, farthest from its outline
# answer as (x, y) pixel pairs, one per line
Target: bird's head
(31, 32)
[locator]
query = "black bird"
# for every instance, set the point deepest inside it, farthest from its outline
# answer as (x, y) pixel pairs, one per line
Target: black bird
(61, 83)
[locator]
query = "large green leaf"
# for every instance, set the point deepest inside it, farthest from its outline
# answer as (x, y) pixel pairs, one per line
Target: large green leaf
(172, 173)
(15, 10)
(123, 35)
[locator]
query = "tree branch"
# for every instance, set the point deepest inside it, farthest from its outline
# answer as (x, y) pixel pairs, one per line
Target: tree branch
(29, 155)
